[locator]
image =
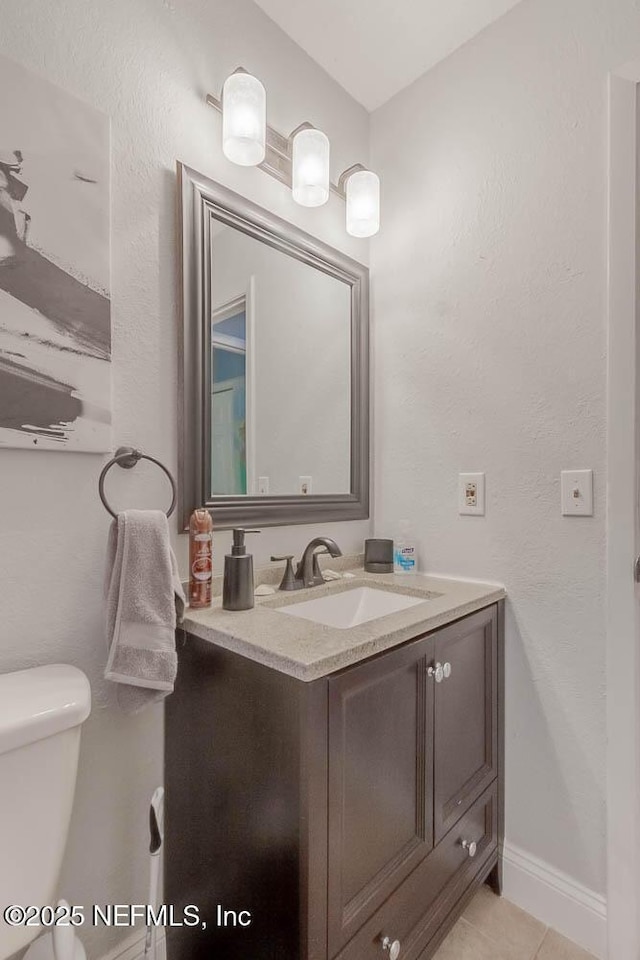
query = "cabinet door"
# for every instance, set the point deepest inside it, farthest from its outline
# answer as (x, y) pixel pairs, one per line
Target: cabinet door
(380, 782)
(466, 716)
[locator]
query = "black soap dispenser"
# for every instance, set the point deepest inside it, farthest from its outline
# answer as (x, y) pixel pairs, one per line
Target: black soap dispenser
(237, 586)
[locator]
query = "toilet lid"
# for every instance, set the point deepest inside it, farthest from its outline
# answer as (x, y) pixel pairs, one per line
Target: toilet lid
(40, 702)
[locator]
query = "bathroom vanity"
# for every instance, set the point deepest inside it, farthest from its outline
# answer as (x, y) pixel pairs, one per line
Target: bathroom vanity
(343, 786)
(333, 756)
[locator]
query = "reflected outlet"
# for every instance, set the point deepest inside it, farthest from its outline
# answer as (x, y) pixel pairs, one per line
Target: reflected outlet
(304, 486)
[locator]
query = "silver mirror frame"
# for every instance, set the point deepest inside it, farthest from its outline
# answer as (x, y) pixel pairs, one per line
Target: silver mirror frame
(199, 201)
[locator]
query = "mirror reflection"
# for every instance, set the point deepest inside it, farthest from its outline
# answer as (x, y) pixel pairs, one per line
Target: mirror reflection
(280, 419)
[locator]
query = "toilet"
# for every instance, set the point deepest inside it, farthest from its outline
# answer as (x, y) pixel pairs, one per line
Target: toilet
(41, 713)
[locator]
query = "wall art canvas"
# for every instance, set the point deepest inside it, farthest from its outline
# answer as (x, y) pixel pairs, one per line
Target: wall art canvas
(55, 321)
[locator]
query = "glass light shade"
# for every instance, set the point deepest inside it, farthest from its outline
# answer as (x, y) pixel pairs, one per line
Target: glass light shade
(363, 204)
(244, 119)
(310, 168)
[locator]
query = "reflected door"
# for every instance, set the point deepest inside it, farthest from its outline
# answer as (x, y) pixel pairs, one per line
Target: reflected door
(229, 400)
(228, 468)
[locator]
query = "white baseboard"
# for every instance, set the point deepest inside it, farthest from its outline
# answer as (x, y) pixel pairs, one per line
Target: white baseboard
(133, 947)
(556, 899)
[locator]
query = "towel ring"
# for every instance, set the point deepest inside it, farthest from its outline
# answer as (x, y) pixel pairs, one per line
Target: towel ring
(127, 457)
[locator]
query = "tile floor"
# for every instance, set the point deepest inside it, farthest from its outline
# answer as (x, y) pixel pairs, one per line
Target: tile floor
(491, 928)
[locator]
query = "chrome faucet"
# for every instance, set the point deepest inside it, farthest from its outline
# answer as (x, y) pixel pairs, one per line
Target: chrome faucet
(308, 573)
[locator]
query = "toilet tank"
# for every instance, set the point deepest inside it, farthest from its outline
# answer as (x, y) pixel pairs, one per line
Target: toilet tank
(41, 711)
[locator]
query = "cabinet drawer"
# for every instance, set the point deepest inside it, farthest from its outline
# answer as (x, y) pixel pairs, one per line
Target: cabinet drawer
(413, 913)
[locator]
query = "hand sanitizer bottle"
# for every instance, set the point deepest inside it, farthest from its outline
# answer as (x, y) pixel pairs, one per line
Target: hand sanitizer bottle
(405, 554)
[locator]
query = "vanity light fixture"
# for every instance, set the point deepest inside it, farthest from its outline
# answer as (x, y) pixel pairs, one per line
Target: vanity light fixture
(301, 160)
(310, 167)
(363, 203)
(244, 119)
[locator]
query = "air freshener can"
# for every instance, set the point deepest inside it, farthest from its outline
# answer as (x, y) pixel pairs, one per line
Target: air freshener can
(200, 558)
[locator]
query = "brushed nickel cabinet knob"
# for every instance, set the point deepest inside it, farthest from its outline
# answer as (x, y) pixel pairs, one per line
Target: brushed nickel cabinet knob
(392, 947)
(470, 846)
(436, 672)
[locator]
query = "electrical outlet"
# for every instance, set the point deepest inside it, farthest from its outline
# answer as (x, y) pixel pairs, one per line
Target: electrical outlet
(263, 484)
(576, 490)
(304, 486)
(471, 494)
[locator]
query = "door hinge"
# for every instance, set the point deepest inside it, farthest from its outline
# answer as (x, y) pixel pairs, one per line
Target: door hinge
(636, 570)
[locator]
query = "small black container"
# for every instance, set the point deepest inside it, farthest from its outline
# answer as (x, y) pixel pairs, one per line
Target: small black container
(378, 555)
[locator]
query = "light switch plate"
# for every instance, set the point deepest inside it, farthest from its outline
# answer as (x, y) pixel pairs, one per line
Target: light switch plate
(576, 491)
(263, 485)
(471, 494)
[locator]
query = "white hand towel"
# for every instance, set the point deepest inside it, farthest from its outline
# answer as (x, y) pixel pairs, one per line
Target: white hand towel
(144, 601)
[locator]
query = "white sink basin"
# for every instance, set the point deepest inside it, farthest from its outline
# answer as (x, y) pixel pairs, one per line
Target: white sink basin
(351, 607)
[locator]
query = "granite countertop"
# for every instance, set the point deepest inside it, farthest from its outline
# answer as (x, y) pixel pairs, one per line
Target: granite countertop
(308, 650)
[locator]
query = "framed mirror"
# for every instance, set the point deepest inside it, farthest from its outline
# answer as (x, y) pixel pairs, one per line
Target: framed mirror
(274, 421)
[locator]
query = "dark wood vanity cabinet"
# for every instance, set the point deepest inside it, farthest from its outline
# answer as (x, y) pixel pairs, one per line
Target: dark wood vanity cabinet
(362, 806)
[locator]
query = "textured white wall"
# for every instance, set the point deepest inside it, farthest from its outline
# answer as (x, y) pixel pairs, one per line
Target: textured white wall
(148, 64)
(489, 317)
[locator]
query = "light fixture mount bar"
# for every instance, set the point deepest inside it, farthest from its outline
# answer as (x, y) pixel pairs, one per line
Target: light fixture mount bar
(344, 176)
(278, 160)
